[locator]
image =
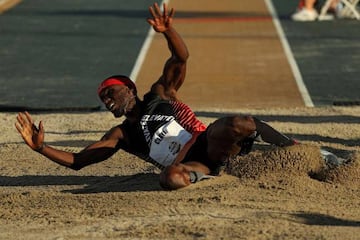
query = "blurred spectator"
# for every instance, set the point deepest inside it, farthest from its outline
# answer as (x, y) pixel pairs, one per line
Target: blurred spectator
(307, 10)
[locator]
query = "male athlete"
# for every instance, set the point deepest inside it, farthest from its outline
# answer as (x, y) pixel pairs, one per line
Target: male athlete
(160, 129)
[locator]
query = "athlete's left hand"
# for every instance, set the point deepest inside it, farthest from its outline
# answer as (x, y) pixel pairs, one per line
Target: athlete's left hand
(161, 21)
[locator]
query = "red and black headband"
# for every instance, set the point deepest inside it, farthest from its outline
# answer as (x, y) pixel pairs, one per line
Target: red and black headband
(116, 80)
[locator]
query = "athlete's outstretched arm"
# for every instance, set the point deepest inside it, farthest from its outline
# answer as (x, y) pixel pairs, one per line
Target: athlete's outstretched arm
(97, 152)
(175, 67)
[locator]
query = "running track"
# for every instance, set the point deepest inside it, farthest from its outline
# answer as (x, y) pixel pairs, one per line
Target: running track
(54, 53)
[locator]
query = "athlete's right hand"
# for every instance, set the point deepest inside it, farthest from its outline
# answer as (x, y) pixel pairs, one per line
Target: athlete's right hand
(32, 135)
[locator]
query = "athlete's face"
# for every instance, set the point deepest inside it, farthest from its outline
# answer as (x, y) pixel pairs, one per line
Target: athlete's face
(118, 99)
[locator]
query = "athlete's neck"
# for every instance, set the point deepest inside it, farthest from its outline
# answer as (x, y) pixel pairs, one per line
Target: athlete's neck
(135, 113)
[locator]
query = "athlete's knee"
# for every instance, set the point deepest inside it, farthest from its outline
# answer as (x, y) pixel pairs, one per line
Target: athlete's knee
(244, 125)
(226, 134)
(237, 127)
(174, 177)
(232, 126)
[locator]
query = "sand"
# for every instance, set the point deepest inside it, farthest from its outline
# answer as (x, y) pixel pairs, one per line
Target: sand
(271, 193)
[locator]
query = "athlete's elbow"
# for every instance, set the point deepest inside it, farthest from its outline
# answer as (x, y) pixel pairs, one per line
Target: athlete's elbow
(184, 57)
(78, 162)
(75, 167)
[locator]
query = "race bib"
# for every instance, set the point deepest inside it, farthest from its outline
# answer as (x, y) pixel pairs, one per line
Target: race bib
(167, 142)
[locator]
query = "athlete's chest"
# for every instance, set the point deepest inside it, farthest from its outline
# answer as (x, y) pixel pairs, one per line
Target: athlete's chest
(163, 134)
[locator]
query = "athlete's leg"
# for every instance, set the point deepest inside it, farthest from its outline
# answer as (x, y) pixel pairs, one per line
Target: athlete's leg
(233, 135)
(225, 136)
(268, 134)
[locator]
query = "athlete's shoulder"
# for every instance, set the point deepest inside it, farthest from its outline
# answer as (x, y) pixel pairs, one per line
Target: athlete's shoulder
(151, 97)
(154, 103)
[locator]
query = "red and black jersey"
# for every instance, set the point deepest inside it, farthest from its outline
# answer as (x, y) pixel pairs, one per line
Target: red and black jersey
(156, 113)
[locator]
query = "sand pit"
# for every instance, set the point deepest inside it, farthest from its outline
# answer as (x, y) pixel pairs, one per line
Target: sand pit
(271, 193)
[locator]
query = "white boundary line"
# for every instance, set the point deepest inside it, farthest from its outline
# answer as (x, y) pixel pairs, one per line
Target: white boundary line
(141, 57)
(144, 50)
(294, 67)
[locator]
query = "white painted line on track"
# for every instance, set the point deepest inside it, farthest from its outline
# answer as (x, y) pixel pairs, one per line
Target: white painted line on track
(141, 57)
(144, 49)
(289, 55)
